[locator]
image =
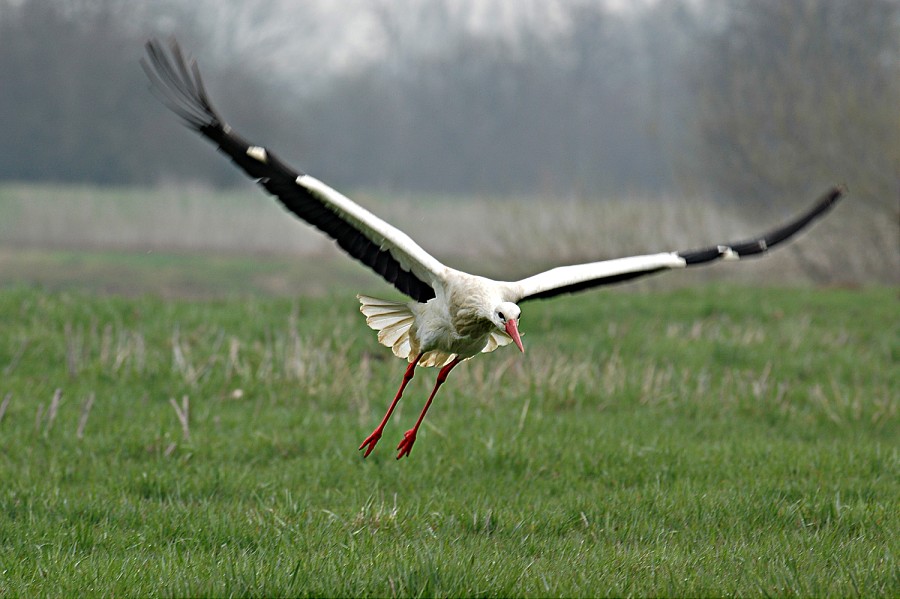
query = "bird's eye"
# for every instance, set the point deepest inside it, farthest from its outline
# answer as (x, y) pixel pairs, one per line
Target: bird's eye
(502, 316)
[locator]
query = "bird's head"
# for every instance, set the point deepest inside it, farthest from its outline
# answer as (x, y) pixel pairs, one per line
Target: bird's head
(506, 318)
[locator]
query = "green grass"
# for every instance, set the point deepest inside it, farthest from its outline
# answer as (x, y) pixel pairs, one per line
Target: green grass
(712, 441)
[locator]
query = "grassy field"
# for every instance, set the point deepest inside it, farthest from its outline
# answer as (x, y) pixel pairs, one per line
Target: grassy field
(720, 440)
(494, 236)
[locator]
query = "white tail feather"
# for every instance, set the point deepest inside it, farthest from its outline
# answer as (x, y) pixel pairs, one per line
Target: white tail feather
(436, 358)
(392, 320)
(391, 336)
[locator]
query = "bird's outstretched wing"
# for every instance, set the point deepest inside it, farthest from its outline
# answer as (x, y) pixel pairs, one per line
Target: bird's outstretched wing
(380, 246)
(569, 279)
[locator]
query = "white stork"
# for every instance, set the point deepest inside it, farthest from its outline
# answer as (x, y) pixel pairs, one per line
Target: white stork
(451, 315)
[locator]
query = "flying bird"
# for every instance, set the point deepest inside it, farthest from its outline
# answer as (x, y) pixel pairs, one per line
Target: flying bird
(451, 315)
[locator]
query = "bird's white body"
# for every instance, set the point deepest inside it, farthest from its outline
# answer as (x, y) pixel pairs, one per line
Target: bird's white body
(455, 323)
(452, 315)
(458, 321)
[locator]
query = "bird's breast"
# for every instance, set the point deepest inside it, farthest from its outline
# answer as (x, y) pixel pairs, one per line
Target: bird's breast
(468, 323)
(458, 332)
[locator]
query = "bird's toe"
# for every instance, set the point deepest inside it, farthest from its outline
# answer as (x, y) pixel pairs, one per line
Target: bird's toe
(406, 444)
(370, 442)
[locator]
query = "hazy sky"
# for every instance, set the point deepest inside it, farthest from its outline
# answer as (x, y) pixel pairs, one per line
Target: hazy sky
(305, 40)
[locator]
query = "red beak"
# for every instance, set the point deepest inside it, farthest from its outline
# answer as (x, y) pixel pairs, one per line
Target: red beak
(512, 329)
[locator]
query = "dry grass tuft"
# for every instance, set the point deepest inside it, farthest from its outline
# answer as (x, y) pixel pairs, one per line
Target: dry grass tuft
(503, 237)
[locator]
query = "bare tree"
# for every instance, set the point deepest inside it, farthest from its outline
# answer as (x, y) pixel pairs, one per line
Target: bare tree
(462, 111)
(795, 94)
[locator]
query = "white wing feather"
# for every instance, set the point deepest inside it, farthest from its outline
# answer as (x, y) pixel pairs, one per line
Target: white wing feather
(565, 276)
(407, 252)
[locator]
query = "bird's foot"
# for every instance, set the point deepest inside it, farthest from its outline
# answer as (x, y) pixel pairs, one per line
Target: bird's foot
(405, 446)
(371, 441)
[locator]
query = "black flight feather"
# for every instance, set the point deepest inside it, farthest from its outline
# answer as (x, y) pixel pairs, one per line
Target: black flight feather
(178, 84)
(733, 251)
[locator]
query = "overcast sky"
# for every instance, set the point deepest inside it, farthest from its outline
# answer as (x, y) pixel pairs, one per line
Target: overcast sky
(311, 39)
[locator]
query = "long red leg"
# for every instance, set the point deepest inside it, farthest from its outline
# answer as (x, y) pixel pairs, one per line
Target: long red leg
(409, 437)
(372, 439)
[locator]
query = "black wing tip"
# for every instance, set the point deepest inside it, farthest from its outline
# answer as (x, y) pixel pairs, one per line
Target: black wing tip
(761, 244)
(833, 195)
(825, 203)
(176, 81)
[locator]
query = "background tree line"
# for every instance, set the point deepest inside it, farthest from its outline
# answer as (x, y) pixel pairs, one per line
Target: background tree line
(745, 100)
